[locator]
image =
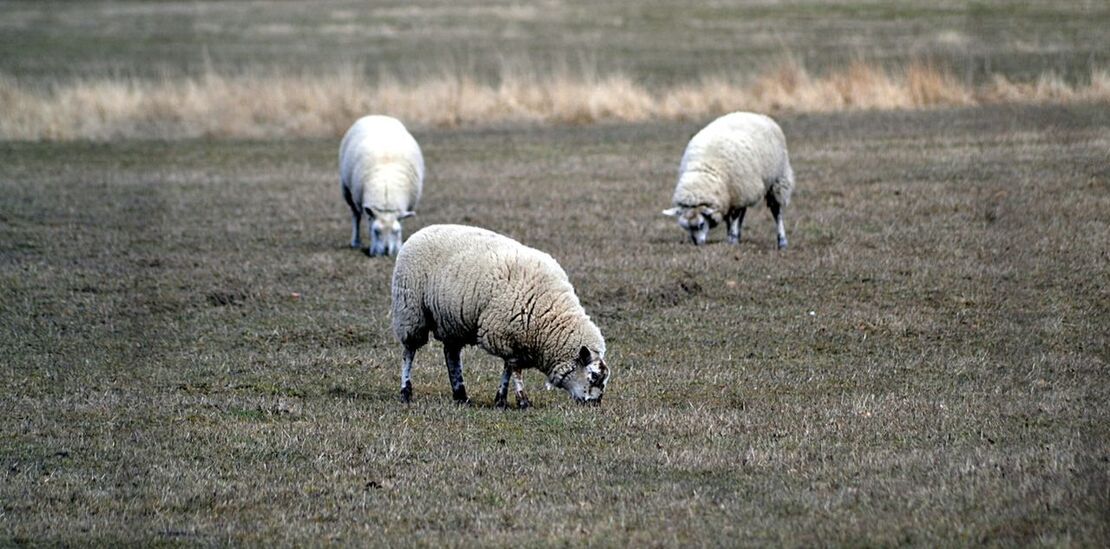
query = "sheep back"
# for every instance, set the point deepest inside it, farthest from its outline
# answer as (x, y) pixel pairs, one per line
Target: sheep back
(381, 164)
(734, 162)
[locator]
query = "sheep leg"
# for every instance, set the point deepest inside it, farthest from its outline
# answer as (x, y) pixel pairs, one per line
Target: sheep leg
(734, 223)
(406, 374)
(356, 219)
(522, 401)
(453, 355)
(501, 399)
(356, 228)
(776, 212)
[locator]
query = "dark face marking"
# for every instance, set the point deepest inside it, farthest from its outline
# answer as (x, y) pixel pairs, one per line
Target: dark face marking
(586, 380)
(697, 221)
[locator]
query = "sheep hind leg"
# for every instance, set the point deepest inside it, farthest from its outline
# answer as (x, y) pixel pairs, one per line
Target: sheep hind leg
(500, 400)
(776, 212)
(522, 401)
(406, 374)
(735, 221)
(452, 353)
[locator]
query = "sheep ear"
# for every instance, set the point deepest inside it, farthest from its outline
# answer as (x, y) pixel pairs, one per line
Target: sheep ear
(598, 371)
(672, 212)
(406, 215)
(584, 356)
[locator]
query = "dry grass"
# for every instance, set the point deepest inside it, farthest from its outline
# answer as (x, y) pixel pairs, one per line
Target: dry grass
(925, 366)
(270, 104)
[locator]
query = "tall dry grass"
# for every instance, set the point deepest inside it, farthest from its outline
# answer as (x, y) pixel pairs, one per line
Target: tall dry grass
(267, 104)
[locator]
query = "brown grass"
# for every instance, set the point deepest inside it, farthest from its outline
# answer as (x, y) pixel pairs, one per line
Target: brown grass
(190, 354)
(257, 104)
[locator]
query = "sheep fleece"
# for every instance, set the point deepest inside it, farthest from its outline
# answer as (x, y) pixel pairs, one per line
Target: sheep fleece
(472, 286)
(381, 163)
(733, 163)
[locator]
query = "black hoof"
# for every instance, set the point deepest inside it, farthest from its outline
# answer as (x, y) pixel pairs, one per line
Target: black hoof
(460, 396)
(406, 394)
(499, 401)
(523, 404)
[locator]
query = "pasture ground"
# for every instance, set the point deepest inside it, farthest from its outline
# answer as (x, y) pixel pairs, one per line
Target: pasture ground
(192, 354)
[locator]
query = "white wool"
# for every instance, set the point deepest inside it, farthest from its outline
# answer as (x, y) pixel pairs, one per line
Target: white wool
(480, 288)
(734, 162)
(381, 164)
(470, 286)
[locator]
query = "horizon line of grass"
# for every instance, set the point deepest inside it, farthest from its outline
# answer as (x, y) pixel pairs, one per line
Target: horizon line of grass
(254, 104)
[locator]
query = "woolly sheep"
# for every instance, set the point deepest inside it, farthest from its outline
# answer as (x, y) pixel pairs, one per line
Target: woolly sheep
(381, 171)
(470, 286)
(728, 167)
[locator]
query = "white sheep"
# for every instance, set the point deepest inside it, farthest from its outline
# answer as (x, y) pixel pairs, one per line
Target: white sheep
(728, 167)
(470, 286)
(381, 171)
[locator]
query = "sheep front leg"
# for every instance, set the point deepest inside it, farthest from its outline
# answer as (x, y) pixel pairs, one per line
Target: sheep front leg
(356, 228)
(453, 355)
(735, 221)
(406, 374)
(780, 228)
(522, 401)
(500, 400)
(356, 219)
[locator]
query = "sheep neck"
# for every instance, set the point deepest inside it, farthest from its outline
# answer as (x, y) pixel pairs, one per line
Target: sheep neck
(559, 343)
(701, 185)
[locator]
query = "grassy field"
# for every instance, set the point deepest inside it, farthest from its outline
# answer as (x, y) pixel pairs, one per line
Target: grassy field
(255, 70)
(192, 354)
(659, 42)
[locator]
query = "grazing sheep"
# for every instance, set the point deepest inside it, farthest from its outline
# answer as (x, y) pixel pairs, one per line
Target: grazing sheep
(381, 171)
(729, 166)
(470, 286)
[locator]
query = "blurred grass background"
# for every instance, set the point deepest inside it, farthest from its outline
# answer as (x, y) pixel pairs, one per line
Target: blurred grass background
(237, 69)
(659, 42)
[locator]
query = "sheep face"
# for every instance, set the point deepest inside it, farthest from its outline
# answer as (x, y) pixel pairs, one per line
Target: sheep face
(385, 233)
(585, 378)
(696, 220)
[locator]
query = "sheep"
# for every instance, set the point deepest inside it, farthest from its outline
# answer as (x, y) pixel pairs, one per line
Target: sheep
(470, 286)
(381, 171)
(728, 167)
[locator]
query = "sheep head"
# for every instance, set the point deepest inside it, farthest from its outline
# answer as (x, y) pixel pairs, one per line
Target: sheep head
(584, 377)
(385, 232)
(697, 220)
